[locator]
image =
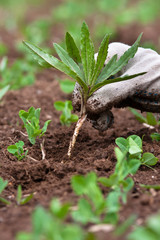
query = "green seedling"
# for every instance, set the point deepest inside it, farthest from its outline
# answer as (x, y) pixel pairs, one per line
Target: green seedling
(82, 67)
(31, 123)
(3, 185)
(132, 146)
(150, 119)
(17, 150)
(66, 117)
(149, 231)
(155, 136)
(19, 75)
(93, 206)
(19, 199)
(67, 86)
(50, 225)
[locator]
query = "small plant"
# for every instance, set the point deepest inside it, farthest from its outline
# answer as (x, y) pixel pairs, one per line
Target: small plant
(149, 119)
(155, 136)
(18, 75)
(32, 126)
(17, 150)
(149, 231)
(66, 117)
(132, 146)
(31, 123)
(93, 207)
(50, 224)
(3, 185)
(19, 199)
(82, 67)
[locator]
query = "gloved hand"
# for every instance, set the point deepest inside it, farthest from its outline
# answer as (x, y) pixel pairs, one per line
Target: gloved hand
(142, 92)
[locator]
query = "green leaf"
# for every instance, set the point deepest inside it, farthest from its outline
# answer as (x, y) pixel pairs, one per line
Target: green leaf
(133, 147)
(84, 214)
(59, 105)
(59, 210)
(138, 116)
(66, 59)
(74, 118)
(87, 53)
(78, 184)
(3, 200)
(155, 136)
(44, 129)
(107, 70)
(122, 144)
(19, 194)
(127, 56)
(12, 149)
(72, 49)
(3, 184)
(67, 86)
(156, 187)
(149, 159)
(134, 165)
(26, 199)
(151, 120)
(109, 81)
(136, 139)
(102, 54)
(54, 62)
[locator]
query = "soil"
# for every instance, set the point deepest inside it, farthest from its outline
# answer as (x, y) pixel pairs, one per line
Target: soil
(51, 177)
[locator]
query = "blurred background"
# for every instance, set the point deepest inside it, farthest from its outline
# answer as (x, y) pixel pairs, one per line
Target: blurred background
(43, 22)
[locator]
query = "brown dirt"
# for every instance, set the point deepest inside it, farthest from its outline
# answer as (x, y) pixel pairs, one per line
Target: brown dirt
(51, 177)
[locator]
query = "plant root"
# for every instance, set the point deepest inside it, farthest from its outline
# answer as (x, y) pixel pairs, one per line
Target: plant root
(43, 150)
(76, 131)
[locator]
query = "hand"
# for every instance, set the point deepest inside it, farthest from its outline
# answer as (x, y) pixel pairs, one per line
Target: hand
(144, 89)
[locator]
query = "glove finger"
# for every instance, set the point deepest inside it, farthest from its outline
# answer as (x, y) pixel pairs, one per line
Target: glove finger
(76, 98)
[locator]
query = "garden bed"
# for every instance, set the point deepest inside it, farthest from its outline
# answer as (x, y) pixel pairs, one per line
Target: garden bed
(93, 151)
(51, 177)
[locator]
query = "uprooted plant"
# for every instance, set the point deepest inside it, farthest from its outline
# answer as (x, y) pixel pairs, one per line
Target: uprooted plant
(81, 65)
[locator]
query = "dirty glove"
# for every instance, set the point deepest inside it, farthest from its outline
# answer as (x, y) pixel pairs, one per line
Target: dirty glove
(142, 92)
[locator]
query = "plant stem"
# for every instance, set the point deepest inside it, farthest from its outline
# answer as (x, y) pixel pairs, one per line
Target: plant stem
(76, 131)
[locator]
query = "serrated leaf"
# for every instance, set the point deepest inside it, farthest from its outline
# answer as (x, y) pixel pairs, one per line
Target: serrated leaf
(87, 53)
(102, 54)
(107, 70)
(121, 62)
(72, 49)
(66, 59)
(54, 62)
(109, 81)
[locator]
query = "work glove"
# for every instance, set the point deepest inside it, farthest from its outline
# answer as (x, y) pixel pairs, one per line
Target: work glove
(142, 92)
